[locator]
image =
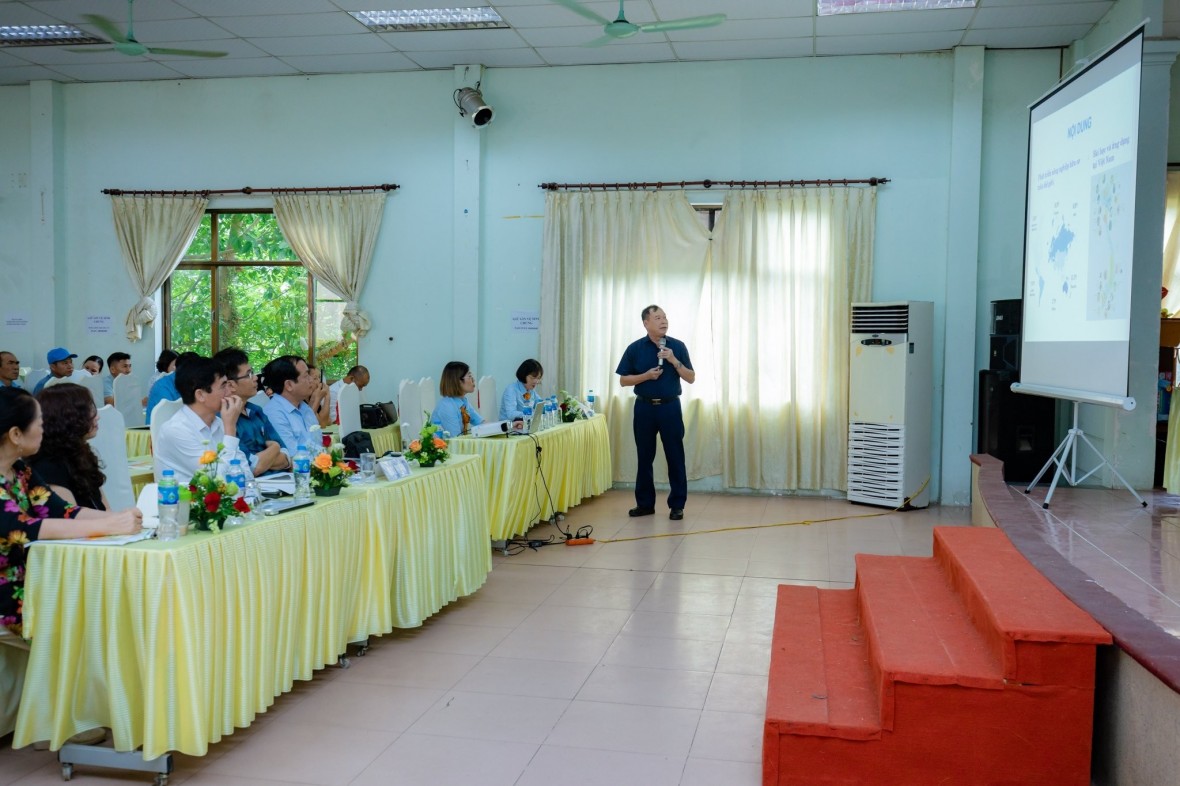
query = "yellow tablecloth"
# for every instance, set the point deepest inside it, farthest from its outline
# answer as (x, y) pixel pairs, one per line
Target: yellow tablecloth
(385, 439)
(141, 471)
(139, 442)
(173, 645)
(575, 460)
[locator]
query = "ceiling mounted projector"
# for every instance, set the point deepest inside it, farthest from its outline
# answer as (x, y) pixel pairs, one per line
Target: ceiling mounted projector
(471, 105)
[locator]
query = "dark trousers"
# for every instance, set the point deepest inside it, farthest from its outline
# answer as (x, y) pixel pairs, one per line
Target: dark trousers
(667, 420)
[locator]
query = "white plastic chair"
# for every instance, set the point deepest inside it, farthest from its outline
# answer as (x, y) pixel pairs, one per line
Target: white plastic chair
(129, 400)
(59, 381)
(160, 415)
(488, 405)
(110, 443)
(409, 406)
(33, 377)
(349, 403)
(428, 391)
(93, 383)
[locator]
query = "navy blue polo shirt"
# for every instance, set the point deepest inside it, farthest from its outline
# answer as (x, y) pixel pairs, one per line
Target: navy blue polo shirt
(640, 356)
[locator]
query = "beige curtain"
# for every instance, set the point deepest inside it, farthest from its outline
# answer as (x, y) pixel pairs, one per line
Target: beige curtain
(334, 236)
(153, 233)
(607, 255)
(787, 266)
(1172, 244)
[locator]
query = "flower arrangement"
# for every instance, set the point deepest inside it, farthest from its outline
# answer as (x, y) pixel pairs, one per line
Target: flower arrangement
(571, 408)
(213, 499)
(429, 448)
(330, 472)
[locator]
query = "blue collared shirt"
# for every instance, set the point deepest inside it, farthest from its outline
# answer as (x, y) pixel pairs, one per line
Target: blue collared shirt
(640, 356)
(513, 401)
(448, 414)
(163, 389)
(291, 423)
(254, 430)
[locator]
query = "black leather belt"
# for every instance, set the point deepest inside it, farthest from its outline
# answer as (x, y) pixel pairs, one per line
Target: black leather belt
(657, 401)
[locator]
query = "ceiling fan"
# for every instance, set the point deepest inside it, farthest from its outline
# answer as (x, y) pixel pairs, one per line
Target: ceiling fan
(127, 45)
(621, 28)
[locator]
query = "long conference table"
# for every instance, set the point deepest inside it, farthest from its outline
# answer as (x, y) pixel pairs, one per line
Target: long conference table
(174, 645)
(574, 463)
(139, 439)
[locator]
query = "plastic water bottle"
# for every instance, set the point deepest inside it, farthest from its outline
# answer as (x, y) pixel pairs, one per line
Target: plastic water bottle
(236, 475)
(301, 463)
(590, 400)
(168, 501)
(527, 416)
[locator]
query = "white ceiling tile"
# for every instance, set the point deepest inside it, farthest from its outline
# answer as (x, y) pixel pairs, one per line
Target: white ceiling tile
(612, 53)
(178, 30)
(258, 7)
(21, 14)
(130, 70)
(323, 45)
(115, 10)
(886, 22)
(1040, 15)
(887, 44)
(747, 30)
(51, 55)
(1025, 37)
(352, 64)
(24, 74)
(493, 58)
(559, 36)
(551, 15)
(234, 48)
(744, 50)
(280, 25)
(211, 69)
(451, 40)
(734, 9)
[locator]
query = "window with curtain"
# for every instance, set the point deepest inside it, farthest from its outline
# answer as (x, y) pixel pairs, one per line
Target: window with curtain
(762, 302)
(240, 284)
(1171, 302)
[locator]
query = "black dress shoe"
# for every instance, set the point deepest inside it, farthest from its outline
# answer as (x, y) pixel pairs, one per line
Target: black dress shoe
(677, 514)
(636, 512)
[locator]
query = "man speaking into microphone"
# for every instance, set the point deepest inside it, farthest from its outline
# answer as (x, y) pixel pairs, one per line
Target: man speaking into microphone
(654, 365)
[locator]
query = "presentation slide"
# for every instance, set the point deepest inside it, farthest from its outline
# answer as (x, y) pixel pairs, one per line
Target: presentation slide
(1080, 227)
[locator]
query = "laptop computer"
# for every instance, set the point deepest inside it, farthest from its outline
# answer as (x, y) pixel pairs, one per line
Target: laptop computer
(532, 425)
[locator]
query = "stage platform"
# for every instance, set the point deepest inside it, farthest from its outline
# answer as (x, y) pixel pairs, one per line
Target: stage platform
(1120, 562)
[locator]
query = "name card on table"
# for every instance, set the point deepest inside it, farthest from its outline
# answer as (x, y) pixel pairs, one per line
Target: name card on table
(394, 467)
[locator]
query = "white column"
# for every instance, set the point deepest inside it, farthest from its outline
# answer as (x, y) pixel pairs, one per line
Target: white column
(468, 150)
(962, 269)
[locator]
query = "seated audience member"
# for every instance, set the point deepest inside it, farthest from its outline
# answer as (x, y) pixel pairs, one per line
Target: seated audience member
(29, 510)
(164, 388)
(257, 438)
(165, 364)
(196, 428)
(320, 399)
(9, 370)
(61, 366)
(65, 461)
(522, 391)
(357, 375)
(93, 365)
(452, 411)
(118, 363)
(290, 382)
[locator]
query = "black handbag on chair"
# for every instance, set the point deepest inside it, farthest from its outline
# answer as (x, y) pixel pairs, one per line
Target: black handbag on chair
(374, 416)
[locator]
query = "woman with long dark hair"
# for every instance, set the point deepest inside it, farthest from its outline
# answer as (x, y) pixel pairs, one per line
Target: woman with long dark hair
(66, 461)
(29, 510)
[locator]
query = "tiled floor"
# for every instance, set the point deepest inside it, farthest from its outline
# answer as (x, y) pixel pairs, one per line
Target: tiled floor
(640, 662)
(1131, 551)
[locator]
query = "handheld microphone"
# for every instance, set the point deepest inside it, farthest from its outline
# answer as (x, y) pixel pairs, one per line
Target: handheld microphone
(663, 343)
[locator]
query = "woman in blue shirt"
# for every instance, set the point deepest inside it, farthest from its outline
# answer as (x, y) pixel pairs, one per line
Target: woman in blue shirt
(452, 411)
(521, 392)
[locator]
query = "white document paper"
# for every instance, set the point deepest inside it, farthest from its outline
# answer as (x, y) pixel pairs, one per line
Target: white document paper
(279, 481)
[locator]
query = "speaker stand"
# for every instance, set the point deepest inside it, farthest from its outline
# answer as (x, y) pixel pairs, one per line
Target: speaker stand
(1068, 451)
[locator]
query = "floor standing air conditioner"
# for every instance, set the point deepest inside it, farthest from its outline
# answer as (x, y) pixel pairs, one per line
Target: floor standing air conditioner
(890, 385)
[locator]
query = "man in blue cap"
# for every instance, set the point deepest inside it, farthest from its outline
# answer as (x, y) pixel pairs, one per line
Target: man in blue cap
(61, 366)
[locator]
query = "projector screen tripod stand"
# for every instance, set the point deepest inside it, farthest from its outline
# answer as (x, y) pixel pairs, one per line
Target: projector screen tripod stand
(1066, 459)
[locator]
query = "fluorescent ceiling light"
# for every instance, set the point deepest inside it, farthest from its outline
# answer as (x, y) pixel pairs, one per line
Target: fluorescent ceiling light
(430, 19)
(831, 7)
(44, 35)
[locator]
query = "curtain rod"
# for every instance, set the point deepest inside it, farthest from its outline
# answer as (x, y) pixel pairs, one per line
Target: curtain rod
(248, 190)
(872, 181)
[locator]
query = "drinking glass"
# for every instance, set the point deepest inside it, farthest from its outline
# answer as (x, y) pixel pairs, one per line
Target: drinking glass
(368, 466)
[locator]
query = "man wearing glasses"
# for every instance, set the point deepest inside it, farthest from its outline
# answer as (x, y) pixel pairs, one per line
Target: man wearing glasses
(291, 382)
(197, 427)
(257, 438)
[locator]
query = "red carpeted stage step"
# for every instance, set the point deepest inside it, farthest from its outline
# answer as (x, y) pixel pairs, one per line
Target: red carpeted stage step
(965, 667)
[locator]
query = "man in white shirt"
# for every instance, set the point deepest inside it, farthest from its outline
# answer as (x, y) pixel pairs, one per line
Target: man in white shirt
(197, 428)
(357, 375)
(291, 382)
